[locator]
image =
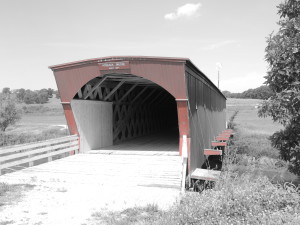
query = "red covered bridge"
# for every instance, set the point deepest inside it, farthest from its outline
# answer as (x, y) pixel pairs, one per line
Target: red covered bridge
(141, 104)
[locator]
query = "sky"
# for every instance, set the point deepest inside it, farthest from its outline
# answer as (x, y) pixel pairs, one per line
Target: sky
(229, 35)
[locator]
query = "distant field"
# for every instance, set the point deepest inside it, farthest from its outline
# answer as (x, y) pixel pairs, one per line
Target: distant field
(40, 117)
(253, 131)
(247, 119)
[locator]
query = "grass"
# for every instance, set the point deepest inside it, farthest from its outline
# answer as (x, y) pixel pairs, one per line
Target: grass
(245, 199)
(39, 122)
(15, 138)
(11, 193)
(252, 188)
(136, 215)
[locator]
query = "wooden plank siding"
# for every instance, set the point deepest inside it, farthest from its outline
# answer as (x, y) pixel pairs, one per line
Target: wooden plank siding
(206, 114)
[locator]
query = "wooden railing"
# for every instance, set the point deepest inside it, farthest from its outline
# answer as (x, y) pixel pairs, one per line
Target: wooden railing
(184, 161)
(45, 150)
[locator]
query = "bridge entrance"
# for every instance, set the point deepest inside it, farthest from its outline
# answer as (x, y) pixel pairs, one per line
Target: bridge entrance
(126, 112)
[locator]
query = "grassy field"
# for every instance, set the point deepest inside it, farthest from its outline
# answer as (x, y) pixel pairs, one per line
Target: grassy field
(38, 122)
(39, 117)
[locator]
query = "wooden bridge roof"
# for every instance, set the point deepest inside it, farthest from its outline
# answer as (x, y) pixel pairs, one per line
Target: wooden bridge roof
(168, 72)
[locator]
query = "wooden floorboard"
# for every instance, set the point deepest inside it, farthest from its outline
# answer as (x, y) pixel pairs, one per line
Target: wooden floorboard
(162, 142)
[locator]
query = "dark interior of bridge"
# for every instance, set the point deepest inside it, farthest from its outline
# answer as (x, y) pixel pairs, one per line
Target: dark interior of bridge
(143, 112)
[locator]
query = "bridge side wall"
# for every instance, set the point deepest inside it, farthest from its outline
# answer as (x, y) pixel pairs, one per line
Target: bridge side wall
(94, 122)
(207, 116)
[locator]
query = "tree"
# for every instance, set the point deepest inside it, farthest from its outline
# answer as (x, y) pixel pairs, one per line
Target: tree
(262, 92)
(43, 96)
(283, 77)
(20, 93)
(57, 94)
(9, 114)
(38, 97)
(6, 91)
(50, 92)
(30, 97)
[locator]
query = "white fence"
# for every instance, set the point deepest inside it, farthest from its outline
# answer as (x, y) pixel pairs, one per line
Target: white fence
(45, 150)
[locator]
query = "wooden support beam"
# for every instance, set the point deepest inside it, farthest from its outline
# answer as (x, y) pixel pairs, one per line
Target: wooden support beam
(128, 92)
(204, 174)
(139, 94)
(95, 87)
(80, 93)
(218, 144)
(114, 90)
(163, 98)
(128, 115)
(153, 100)
(148, 96)
(222, 138)
(228, 131)
(226, 135)
(99, 92)
(212, 152)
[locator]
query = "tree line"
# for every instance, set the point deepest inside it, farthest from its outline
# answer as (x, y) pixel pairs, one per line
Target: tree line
(262, 92)
(28, 96)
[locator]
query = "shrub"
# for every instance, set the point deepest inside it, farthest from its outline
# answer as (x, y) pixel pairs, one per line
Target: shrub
(9, 114)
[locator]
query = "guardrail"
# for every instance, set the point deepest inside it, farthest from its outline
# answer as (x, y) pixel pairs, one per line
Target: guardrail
(29, 153)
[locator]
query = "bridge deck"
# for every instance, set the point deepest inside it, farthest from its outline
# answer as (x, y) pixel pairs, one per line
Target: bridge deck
(69, 190)
(162, 142)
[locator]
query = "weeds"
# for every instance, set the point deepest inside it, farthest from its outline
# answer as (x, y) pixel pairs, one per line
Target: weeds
(237, 200)
(41, 109)
(7, 222)
(22, 138)
(231, 124)
(9, 193)
(135, 215)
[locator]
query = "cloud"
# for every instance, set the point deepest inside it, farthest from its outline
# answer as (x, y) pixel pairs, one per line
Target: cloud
(220, 44)
(188, 10)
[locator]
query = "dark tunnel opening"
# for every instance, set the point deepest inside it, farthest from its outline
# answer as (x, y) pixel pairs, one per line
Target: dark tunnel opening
(144, 115)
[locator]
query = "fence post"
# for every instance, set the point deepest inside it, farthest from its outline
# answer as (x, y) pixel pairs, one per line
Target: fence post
(50, 157)
(31, 163)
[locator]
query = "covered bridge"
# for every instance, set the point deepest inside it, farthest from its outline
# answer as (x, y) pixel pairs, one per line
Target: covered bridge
(141, 104)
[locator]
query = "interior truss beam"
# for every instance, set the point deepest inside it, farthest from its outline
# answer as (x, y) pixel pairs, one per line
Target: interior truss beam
(95, 87)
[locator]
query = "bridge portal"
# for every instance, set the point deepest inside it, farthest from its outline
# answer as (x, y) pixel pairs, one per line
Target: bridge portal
(141, 104)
